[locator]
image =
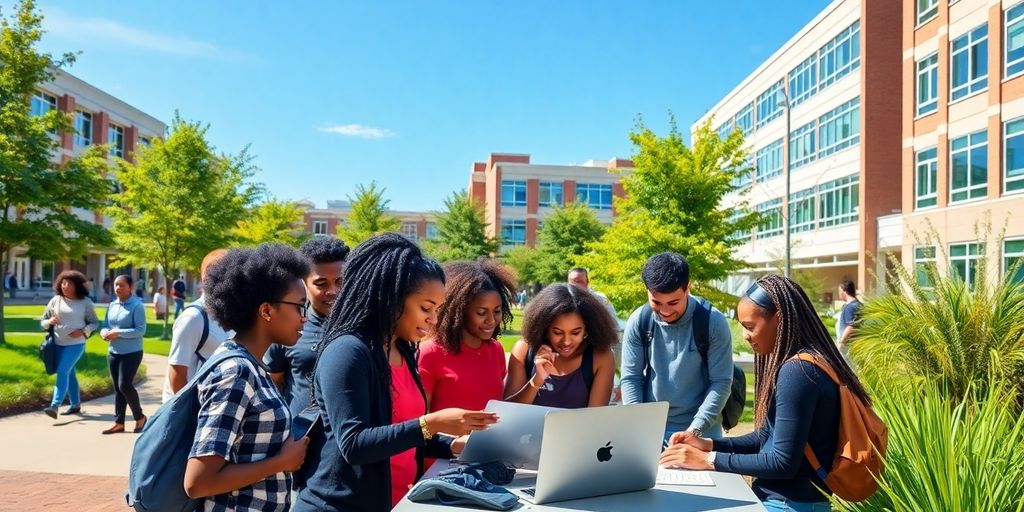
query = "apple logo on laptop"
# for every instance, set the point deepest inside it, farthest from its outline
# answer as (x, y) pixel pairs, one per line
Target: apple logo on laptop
(605, 454)
(525, 438)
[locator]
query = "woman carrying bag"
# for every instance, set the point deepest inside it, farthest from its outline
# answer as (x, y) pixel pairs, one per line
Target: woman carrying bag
(72, 316)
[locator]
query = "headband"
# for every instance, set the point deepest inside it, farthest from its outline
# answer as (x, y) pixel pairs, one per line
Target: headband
(758, 296)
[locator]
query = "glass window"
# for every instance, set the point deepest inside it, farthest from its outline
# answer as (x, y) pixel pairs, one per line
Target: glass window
(1013, 258)
(840, 56)
(745, 177)
(926, 10)
(840, 128)
(1014, 175)
(969, 56)
(320, 227)
(768, 161)
(928, 84)
(801, 210)
(839, 201)
(769, 106)
(772, 225)
(963, 262)
(550, 193)
(513, 193)
(408, 230)
(431, 230)
(924, 265)
(1015, 40)
(42, 103)
(726, 129)
(513, 231)
(969, 163)
(596, 195)
(801, 145)
(741, 235)
(145, 141)
(803, 81)
(745, 119)
(925, 185)
(115, 137)
(83, 129)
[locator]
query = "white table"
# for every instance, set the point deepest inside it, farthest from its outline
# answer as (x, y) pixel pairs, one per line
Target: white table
(730, 493)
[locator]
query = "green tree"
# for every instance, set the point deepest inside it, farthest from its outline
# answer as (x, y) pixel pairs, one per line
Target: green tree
(38, 199)
(461, 231)
(563, 238)
(272, 221)
(524, 260)
(180, 200)
(673, 203)
(369, 216)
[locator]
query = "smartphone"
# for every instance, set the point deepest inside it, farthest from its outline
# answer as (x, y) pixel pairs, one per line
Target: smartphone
(305, 423)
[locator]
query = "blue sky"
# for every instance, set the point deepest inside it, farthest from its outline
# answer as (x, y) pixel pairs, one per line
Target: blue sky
(410, 93)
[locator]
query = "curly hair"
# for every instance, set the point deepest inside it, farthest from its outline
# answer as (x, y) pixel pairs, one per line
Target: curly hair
(243, 279)
(324, 249)
(559, 299)
(467, 280)
(77, 279)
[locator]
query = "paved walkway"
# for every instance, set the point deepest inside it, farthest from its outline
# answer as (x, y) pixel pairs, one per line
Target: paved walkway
(66, 464)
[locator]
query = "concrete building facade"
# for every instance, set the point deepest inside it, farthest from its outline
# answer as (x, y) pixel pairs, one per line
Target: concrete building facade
(325, 221)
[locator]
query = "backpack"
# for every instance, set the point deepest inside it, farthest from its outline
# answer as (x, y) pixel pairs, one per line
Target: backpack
(586, 365)
(178, 287)
(206, 330)
(860, 447)
(734, 405)
(156, 478)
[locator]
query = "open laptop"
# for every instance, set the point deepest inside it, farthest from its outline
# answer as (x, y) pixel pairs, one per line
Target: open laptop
(515, 439)
(598, 451)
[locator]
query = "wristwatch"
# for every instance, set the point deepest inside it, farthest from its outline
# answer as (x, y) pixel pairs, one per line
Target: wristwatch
(711, 459)
(697, 432)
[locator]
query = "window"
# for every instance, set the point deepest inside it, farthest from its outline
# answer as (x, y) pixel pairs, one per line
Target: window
(925, 185)
(145, 141)
(595, 195)
(320, 227)
(924, 265)
(969, 163)
(513, 232)
(769, 161)
(83, 129)
(431, 231)
(1014, 40)
(803, 81)
(963, 262)
(840, 56)
(42, 103)
(969, 67)
(115, 137)
(408, 230)
(801, 145)
(840, 128)
(551, 194)
(768, 105)
(801, 210)
(513, 193)
(772, 225)
(1014, 174)
(740, 235)
(839, 201)
(928, 84)
(745, 119)
(745, 177)
(726, 129)
(926, 10)
(1013, 258)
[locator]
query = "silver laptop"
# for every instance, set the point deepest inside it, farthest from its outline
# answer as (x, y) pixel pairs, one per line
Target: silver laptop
(598, 451)
(515, 439)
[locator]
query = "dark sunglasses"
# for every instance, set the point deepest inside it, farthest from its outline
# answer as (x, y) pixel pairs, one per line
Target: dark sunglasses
(303, 307)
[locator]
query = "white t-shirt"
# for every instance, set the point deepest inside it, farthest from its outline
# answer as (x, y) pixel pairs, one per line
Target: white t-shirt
(159, 302)
(188, 330)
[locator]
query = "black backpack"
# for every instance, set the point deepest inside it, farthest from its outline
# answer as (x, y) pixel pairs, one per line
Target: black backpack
(586, 365)
(733, 409)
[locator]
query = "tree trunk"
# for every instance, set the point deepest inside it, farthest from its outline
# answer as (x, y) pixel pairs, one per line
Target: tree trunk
(2, 297)
(167, 299)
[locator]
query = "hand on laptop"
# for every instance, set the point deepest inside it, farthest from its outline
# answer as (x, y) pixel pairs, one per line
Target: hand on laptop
(459, 422)
(688, 438)
(684, 456)
(459, 444)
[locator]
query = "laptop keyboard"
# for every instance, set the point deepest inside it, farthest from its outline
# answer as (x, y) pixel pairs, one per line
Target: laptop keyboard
(529, 491)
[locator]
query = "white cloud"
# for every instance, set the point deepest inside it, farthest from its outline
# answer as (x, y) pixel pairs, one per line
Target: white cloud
(358, 130)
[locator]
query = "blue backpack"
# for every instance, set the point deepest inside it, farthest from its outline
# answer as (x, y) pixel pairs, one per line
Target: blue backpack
(156, 478)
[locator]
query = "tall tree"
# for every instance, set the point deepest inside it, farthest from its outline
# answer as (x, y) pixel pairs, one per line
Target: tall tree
(38, 198)
(272, 221)
(461, 230)
(369, 216)
(180, 200)
(563, 238)
(674, 203)
(524, 260)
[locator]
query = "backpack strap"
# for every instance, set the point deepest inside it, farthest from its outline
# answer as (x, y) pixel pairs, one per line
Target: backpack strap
(647, 325)
(587, 366)
(702, 330)
(823, 366)
(206, 331)
(212, 363)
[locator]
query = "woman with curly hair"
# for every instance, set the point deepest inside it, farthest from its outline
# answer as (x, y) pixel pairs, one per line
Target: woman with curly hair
(243, 451)
(565, 358)
(72, 316)
(464, 365)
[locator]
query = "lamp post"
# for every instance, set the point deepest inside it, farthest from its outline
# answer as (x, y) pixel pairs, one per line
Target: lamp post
(788, 263)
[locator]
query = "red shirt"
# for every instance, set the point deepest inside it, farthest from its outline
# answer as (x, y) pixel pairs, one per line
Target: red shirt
(406, 404)
(466, 380)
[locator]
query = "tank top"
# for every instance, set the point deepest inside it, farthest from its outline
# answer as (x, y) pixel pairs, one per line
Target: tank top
(567, 391)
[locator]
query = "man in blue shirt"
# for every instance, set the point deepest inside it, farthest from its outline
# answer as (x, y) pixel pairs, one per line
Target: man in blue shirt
(849, 317)
(676, 369)
(292, 367)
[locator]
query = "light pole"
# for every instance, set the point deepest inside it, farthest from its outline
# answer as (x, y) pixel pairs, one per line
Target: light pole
(787, 264)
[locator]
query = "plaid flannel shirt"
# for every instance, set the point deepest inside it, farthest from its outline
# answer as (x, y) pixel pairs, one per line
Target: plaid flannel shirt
(243, 419)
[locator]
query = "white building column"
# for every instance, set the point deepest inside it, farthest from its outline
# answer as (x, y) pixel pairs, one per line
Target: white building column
(102, 268)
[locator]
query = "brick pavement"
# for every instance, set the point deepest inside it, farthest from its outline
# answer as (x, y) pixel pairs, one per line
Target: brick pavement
(54, 492)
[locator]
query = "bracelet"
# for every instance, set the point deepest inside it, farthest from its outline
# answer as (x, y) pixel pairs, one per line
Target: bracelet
(530, 382)
(423, 428)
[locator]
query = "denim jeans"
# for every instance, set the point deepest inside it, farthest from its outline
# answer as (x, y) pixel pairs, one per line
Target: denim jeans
(67, 380)
(179, 305)
(796, 506)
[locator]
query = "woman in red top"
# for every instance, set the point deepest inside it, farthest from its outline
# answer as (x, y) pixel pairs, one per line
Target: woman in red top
(464, 365)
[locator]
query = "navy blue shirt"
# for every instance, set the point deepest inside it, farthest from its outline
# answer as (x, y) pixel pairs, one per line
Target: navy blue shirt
(297, 363)
(805, 410)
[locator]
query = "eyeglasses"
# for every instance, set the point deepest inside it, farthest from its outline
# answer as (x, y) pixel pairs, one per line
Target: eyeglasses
(303, 307)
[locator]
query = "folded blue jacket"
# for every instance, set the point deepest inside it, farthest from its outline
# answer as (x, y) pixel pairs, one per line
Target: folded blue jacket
(463, 489)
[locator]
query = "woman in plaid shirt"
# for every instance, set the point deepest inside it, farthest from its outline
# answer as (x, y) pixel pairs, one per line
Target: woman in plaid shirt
(243, 451)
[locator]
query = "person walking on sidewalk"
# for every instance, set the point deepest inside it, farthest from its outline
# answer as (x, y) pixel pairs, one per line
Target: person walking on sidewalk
(123, 329)
(72, 316)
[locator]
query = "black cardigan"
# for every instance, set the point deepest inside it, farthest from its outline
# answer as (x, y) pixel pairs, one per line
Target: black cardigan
(351, 459)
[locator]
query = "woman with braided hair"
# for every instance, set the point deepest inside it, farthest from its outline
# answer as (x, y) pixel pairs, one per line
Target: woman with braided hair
(376, 428)
(796, 403)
